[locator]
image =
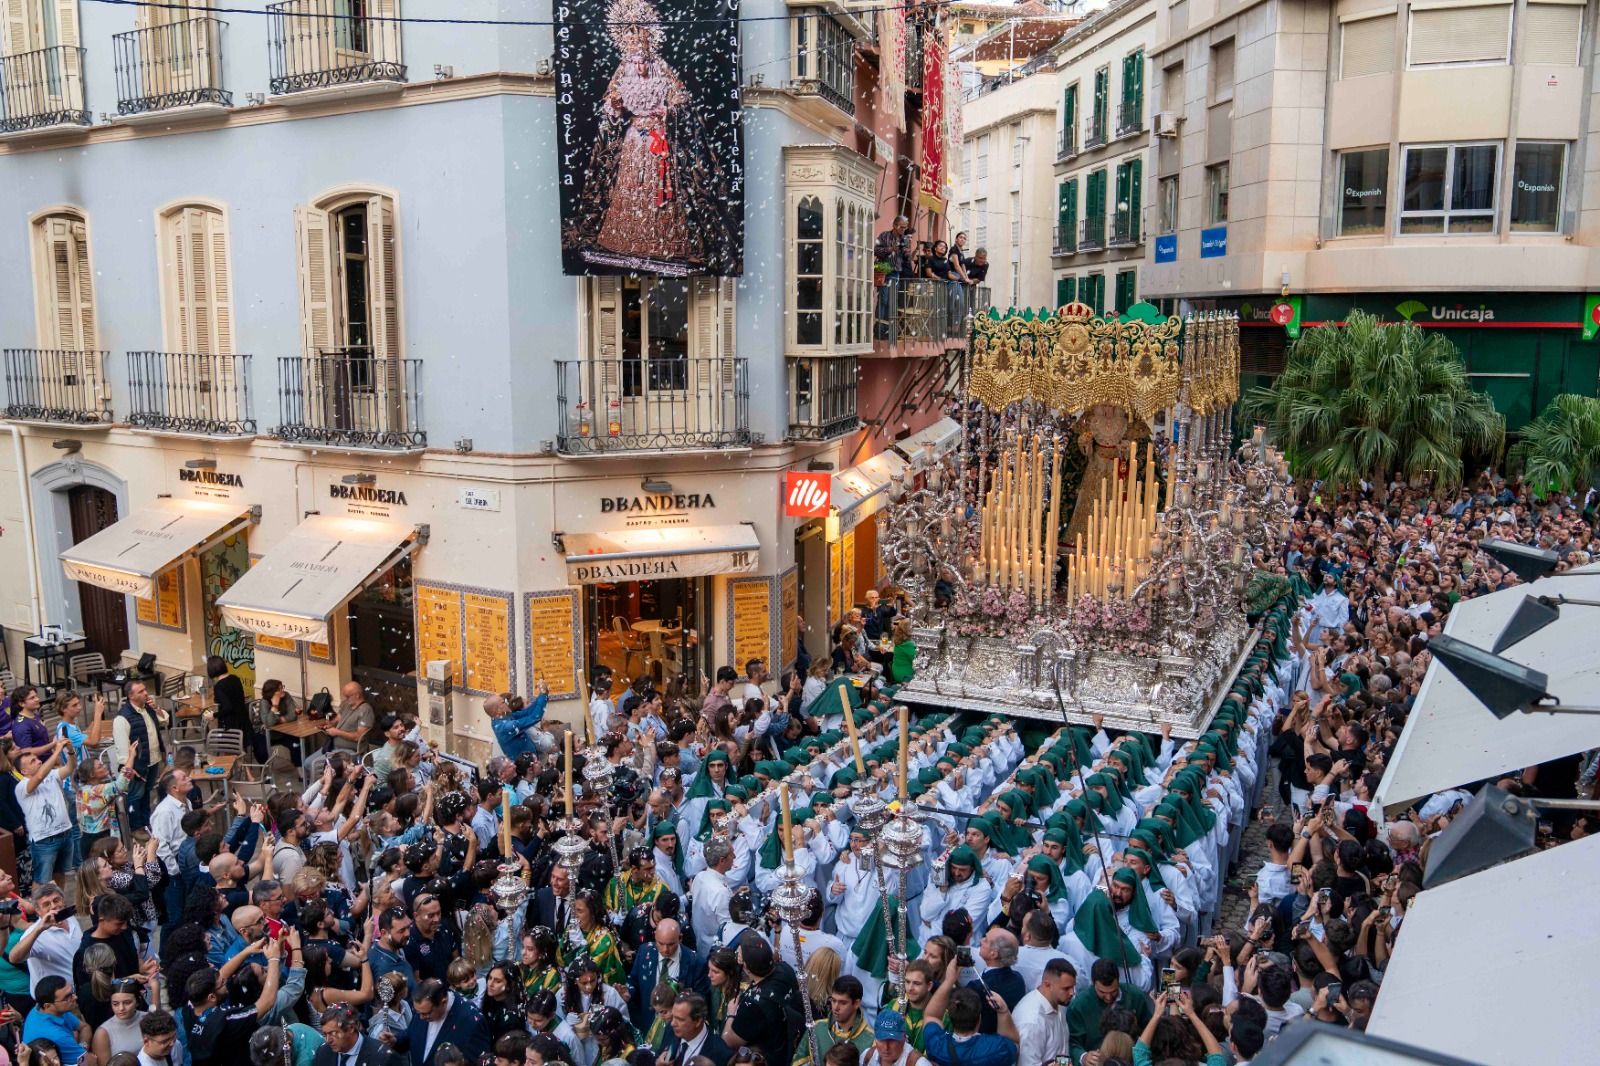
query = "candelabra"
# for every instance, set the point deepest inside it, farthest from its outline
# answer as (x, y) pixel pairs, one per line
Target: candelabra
(570, 851)
(929, 532)
(900, 849)
(792, 900)
(598, 776)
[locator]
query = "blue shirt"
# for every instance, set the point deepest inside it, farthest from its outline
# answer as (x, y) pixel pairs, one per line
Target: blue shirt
(984, 1049)
(60, 1030)
(511, 730)
(384, 961)
(74, 734)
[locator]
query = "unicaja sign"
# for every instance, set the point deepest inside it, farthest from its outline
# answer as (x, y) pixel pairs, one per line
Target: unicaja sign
(807, 495)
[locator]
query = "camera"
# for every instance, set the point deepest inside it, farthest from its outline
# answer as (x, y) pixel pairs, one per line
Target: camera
(10, 906)
(963, 956)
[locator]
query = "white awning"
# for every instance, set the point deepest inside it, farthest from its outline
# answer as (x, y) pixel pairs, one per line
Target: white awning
(862, 490)
(127, 555)
(659, 554)
(304, 578)
(931, 444)
(1534, 922)
(1451, 739)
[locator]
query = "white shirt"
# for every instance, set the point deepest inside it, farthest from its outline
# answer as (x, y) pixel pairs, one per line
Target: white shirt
(52, 953)
(351, 1057)
(1043, 1029)
(485, 825)
(45, 808)
(1272, 882)
(711, 895)
(810, 941)
(1031, 961)
(166, 825)
(434, 1027)
(688, 1052)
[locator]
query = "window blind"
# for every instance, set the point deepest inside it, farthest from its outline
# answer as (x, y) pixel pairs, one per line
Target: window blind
(1550, 34)
(1460, 35)
(1367, 47)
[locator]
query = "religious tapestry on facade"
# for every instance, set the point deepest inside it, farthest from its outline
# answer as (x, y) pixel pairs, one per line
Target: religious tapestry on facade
(934, 128)
(649, 146)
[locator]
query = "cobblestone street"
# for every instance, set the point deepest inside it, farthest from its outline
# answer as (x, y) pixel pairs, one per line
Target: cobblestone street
(1252, 853)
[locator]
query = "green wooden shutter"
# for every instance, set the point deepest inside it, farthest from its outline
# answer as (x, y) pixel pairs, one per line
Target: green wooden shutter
(1069, 218)
(1094, 204)
(1065, 291)
(1118, 211)
(1069, 108)
(1133, 88)
(1135, 198)
(1125, 291)
(1094, 293)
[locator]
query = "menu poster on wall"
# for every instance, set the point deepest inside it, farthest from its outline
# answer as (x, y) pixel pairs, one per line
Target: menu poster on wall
(789, 610)
(165, 608)
(835, 600)
(552, 640)
(847, 570)
(752, 620)
(439, 629)
(488, 635)
(287, 647)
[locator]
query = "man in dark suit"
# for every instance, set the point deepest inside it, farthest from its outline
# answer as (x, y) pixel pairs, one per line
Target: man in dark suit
(551, 901)
(664, 960)
(442, 1017)
(692, 1037)
(346, 1044)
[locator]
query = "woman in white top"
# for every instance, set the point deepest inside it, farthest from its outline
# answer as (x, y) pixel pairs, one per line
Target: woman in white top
(120, 1032)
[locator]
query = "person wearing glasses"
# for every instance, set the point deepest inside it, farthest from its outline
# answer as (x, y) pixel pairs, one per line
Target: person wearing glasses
(345, 1045)
(55, 1018)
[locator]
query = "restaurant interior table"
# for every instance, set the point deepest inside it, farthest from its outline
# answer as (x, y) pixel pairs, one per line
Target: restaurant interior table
(223, 763)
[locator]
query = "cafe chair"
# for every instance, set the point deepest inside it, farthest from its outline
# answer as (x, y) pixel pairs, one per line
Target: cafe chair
(253, 790)
(225, 742)
(311, 769)
(85, 665)
(632, 646)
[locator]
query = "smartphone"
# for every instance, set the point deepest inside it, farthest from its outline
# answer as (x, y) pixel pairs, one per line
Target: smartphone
(1297, 871)
(66, 912)
(1169, 977)
(964, 956)
(1335, 990)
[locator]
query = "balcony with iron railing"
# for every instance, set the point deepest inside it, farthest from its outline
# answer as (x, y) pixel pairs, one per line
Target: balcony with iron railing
(1092, 234)
(822, 397)
(927, 309)
(1063, 239)
(191, 393)
(1066, 143)
(57, 387)
(1125, 229)
(311, 49)
(615, 406)
(42, 91)
(1130, 117)
(178, 65)
(1094, 132)
(350, 398)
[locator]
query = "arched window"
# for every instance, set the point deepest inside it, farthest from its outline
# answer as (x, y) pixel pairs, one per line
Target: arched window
(350, 276)
(64, 282)
(196, 282)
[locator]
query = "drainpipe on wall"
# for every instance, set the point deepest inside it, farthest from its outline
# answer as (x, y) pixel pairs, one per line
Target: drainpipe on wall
(27, 525)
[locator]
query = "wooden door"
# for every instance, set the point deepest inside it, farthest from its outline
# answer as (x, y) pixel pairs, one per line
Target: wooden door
(104, 613)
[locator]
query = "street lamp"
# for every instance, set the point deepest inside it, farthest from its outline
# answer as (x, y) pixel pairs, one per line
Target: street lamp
(1495, 827)
(1498, 683)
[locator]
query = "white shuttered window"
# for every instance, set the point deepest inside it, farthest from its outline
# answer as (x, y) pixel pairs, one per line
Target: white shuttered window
(1367, 47)
(64, 283)
(1550, 34)
(1447, 35)
(197, 289)
(350, 282)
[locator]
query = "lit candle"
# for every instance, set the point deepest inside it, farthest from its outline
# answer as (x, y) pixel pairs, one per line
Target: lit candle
(905, 733)
(850, 724)
(788, 825)
(568, 737)
(505, 826)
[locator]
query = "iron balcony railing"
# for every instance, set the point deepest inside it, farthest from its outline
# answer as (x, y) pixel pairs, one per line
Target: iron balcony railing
(351, 398)
(609, 406)
(835, 97)
(58, 386)
(318, 44)
(191, 392)
(1067, 143)
(41, 89)
(1094, 132)
(1130, 117)
(822, 397)
(1092, 234)
(1063, 239)
(1125, 229)
(176, 65)
(926, 309)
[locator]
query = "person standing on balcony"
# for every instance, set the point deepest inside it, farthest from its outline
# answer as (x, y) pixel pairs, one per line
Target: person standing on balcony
(960, 279)
(890, 249)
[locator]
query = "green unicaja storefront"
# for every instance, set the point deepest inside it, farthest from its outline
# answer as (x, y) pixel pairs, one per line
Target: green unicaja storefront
(1521, 348)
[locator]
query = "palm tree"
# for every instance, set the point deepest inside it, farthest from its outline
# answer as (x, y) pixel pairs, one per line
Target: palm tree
(1560, 450)
(1372, 398)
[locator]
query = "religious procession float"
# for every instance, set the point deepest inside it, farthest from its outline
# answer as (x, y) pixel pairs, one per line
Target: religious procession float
(1092, 546)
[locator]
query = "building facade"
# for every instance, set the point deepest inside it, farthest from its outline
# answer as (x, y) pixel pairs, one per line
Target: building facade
(304, 292)
(1426, 161)
(1102, 140)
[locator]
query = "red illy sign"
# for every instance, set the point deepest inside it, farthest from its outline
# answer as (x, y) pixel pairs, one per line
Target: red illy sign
(807, 495)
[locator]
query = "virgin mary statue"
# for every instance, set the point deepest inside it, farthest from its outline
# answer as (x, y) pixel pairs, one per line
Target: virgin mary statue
(656, 193)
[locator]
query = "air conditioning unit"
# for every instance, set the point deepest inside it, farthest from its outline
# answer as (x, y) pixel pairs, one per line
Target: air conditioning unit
(1167, 123)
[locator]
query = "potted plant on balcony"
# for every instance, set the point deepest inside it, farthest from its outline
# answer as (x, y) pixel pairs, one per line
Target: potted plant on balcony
(880, 273)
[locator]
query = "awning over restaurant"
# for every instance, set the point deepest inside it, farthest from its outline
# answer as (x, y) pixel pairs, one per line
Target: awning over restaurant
(862, 490)
(1450, 739)
(659, 554)
(127, 555)
(931, 444)
(304, 578)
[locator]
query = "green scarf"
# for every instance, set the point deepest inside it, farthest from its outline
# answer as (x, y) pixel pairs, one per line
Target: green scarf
(772, 847)
(701, 789)
(1085, 816)
(1154, 876)
(961, 855)
(704, 832)
(1113, 794)
(871, 947)
(1041, 864)
(665, 828)
(1097, 930)
(1139, 915)
(1070, 844)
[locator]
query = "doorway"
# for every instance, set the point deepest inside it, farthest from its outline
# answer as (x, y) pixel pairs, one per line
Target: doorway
(104, 613)
(649, 628)
(383, 641)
